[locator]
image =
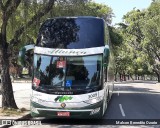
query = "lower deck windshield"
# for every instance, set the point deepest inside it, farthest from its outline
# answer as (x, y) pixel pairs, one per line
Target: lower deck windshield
(67, 73)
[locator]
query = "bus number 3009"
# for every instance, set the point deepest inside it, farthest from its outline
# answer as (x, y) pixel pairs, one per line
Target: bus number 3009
(92, 95)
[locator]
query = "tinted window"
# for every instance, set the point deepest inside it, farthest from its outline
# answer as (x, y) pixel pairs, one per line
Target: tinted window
(72, 33)
(67, 73)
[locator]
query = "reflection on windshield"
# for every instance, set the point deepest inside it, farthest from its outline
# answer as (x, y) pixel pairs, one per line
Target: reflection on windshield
(68, 73)
(46, 70)
(71, 33)
(84, 71)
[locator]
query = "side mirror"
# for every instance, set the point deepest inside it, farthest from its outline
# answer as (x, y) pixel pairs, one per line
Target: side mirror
(106, 53)
(21, 57)
(23, 54)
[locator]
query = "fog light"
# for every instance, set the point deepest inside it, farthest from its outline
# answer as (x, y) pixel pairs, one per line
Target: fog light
(33, 109)
(94, 111)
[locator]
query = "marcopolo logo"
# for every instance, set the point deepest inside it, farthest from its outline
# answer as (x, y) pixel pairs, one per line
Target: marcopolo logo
(62, 98)
(63, 105)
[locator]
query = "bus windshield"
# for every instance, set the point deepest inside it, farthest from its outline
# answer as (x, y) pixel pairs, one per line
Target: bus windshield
(71, 33)
(68, 74)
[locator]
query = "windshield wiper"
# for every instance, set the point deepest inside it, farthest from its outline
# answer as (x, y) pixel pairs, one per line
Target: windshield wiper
(59, 84)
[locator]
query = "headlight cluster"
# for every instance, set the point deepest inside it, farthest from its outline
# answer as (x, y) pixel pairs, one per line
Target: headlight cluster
(93, 101)
(94, 111)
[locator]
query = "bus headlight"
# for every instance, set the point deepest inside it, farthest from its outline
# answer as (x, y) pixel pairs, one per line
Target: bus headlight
(93, 101)
(94, 111)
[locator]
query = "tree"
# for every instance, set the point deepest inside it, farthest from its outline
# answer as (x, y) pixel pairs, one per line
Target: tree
(151, 42)
(128, 55)
(82, 8)
(8, 8)
(140, 42)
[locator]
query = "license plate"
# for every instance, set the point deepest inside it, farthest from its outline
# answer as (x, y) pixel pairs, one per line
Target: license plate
(63, 114)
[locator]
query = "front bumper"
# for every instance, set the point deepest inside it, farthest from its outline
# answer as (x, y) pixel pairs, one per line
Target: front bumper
(90, 111)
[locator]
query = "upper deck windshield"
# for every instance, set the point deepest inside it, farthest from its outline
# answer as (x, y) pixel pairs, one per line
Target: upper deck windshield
(71, 33)
(68, 74)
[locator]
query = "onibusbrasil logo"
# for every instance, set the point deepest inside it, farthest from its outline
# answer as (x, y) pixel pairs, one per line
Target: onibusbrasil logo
(62, 98)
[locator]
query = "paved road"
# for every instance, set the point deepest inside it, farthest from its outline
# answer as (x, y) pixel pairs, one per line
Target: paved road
(129, 101)
(135, 101)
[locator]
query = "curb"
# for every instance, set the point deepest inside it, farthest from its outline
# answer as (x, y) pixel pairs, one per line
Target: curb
(27, 116)
(135, 81)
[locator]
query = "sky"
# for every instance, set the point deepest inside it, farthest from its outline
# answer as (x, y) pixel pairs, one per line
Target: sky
(121, 7)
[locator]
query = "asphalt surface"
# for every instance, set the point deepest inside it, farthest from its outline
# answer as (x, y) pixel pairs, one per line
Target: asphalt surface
(135, 101)
(129, 101)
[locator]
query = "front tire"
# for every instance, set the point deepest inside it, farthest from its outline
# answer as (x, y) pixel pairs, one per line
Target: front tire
(103, 108)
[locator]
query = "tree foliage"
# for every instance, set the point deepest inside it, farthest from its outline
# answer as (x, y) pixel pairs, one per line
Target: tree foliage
(10, 9)
(140, 41)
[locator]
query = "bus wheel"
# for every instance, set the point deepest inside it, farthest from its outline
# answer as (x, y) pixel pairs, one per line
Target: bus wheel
(101, 112)
(103, 108)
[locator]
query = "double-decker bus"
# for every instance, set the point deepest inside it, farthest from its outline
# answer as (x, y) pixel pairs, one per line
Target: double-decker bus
(73, 68)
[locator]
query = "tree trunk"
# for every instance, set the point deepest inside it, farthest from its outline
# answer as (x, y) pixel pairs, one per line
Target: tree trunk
(115, 76)
(136, 77)
(128, 77)
(124, 76)
(120, 76)
(8, 100)
(131, 77)
(158, 76)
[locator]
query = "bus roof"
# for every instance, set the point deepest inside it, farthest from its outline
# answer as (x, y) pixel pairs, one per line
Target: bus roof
(74, 17)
